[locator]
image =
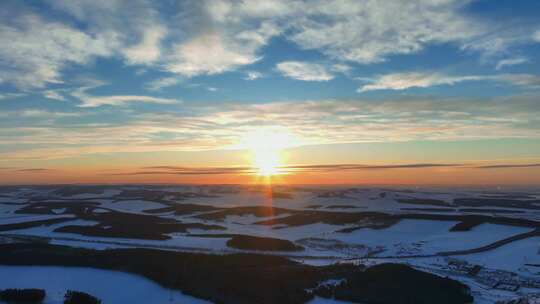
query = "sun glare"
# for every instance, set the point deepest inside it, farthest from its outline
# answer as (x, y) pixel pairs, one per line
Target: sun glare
(266, 147)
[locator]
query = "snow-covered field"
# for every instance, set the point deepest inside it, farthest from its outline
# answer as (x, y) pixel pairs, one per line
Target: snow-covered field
(423, 227)
(409, 237)
(109, 286)
(512, 257)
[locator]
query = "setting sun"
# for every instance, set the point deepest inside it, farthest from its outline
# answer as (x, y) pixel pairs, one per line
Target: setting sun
(266, 148)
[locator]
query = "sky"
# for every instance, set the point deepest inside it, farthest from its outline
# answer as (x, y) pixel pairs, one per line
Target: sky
(414, 92)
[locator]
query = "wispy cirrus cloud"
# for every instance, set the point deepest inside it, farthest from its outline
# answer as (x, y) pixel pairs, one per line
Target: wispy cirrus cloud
(160, 83)
(510, 62)
(407, 80)
(35, 170)
(508, 166)
(253, 75)
(27, 170)
(119, 100)
(402, 81)
(523, 80)
(307, 71)
(11, 95)
(304, 71)
(536, 36)
(321, 122)
(316, 168)
(91, 101)
(312, 168)
(172, 170)
(54, 94)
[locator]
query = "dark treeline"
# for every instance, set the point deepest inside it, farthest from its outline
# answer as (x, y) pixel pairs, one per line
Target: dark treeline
(248, 242)
(27, 295)
(79, 297)
(248, 278)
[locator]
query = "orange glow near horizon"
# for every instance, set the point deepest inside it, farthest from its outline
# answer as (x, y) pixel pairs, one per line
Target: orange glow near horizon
(270, 155)
(417, 176)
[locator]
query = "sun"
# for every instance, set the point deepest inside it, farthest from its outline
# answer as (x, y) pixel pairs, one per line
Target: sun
(267, 162)
(266, 148)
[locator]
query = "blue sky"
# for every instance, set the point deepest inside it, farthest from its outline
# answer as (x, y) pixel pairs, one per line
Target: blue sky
(86, 78)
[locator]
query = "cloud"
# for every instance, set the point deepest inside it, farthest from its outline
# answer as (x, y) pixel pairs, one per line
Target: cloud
(11, 95)
(35, 50)
(223, 126)
(523, 80)
(160, 170)
(253, 75)
(317, 168)
(193, 38)
(493, 45)
(536, 36)
(510, 61)
(304, 71)
(54, 94)
(35, 170)
(344, 30)
(160, 83)
(403, 81)
(134, 29)
(118, 100)
(148, 50)
(355, 167)
(208, 54)
(500, 41)
(288, 169)
(369, 31)
(221, 36)
(508, 166)
(37, 113)
(92, 101)
(341, 68)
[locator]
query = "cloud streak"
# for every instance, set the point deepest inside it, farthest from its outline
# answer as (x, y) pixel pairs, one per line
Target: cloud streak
(510, 62)
(403, 81)
(92, 101)
(316, 168)
(509, 166)
(35, 170)
(160, 83)
(304, 71)
(319, 168)
(223, 126)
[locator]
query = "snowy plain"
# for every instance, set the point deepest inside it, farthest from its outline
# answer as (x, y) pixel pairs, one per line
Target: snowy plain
(407, 237)
(109, 286)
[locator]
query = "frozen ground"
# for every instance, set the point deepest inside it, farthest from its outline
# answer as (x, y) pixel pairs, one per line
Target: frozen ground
(109, 286)
(422, 226)
(319, 300)
(513, 257)
(409, 237)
